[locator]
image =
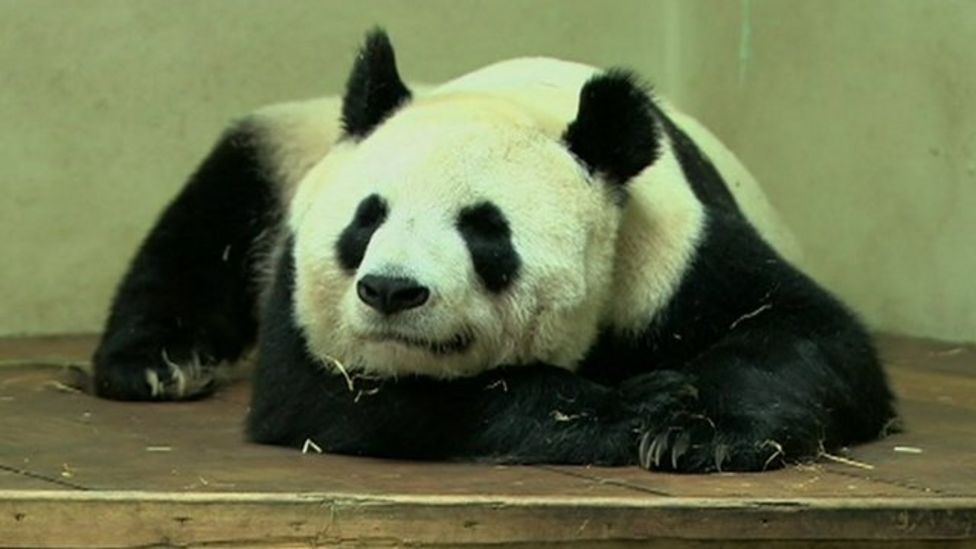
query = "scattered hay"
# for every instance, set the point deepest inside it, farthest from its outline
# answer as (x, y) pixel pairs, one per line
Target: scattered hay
(332, 362)
(561, 417)
(779, 453)
(764, 307)
(892, 426)
(846, 461)
(310, 446)
(365, 392)
(62, 387)
(948, 352)
(500, 383)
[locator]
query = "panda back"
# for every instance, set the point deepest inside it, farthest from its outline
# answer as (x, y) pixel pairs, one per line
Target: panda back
(748, 194)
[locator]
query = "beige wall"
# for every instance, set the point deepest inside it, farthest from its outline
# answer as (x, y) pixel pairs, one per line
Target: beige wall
(855, 115)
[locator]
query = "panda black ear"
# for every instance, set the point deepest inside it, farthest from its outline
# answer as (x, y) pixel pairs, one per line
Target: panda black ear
(615, 133)
(374, 89)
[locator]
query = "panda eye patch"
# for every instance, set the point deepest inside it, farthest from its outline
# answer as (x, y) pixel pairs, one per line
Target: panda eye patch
(484, 219)
(489, 239)
(352, 243)
(371, 212)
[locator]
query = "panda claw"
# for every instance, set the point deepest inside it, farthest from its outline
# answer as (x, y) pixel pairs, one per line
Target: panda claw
(681, 446)
(643, 452)
(179, 381)
(659, 446)
(721, 456)
(152, 379)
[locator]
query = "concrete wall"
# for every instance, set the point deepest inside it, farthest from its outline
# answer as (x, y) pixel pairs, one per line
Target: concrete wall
(854, 115)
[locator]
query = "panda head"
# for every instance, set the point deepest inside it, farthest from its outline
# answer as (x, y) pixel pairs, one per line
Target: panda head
(450, 233)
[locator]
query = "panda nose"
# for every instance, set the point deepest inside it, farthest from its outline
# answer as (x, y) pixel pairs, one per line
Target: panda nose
(389, 294)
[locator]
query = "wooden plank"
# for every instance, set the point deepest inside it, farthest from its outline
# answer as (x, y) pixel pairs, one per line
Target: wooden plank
(952, 390)
(199, 446)
(175, 473)
(140, 519)
(957, 359)
(807, 481)
(11, 480)
(161, 437)
(185, 446)
(936, 454)
(54, 349)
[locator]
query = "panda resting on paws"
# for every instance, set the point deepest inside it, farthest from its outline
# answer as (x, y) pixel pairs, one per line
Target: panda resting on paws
(535, 262)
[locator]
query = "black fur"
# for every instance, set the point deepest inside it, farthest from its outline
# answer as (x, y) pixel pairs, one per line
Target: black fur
(781, 369)
(190, 289)
(352, 243)
(615, 133)
(374, 89)
(489, 238)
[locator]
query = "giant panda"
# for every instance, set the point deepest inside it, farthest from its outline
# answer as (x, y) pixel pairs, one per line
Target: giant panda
(537, 262)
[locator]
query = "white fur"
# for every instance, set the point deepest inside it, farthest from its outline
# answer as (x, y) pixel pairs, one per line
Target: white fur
(297, 136)
(492, 134)
(294, 137)
(661, 227)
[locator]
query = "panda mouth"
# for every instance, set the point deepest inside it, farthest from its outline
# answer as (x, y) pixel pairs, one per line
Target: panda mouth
(459, 343)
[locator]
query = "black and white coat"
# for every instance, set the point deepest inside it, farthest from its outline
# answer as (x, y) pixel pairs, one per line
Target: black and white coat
(536, 262)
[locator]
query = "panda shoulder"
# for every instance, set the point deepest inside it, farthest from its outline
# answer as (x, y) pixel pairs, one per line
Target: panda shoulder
(749, 195)
(294, 136)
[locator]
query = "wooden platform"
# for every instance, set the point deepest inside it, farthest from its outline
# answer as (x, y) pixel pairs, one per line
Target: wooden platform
(79, 471)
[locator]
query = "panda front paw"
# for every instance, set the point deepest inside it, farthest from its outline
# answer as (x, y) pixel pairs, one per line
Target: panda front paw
(159, 372)
(692, 444)
(670, 426)
(678, 432)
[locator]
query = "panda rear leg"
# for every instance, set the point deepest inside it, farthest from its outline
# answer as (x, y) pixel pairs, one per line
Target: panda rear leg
(188, 300)
(761, 399)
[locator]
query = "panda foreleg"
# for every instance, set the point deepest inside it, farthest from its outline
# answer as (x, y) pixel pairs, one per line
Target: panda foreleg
(187, 302)
(764, 397)
(518, 414)
(524, 414)
(545, 414)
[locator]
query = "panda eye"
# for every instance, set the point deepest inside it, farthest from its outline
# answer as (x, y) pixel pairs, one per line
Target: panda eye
(371, 212)
(489, 238)
(484, 220)
(352, 243)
